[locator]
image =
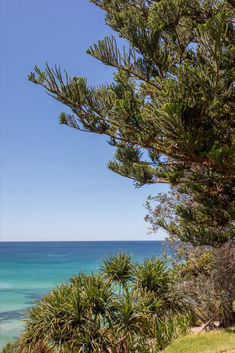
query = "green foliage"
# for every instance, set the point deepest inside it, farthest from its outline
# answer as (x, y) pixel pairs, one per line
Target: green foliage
(166, 329)
(118, 268)
(169, 110)
(72, 316)
(87, 314)
(158, 305)
(153, 276)
(10, 348)
(198, 214)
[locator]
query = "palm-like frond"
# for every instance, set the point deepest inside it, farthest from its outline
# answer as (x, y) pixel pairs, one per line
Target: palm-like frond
(152, 275)
(86, 315)
(118, 269)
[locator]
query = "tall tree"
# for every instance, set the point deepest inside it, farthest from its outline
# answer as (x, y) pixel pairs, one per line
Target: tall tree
(169, 110)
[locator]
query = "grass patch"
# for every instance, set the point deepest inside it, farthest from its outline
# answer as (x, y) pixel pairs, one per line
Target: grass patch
(221, 341)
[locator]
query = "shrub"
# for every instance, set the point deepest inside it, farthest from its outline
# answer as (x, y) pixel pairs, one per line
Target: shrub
(206, 281)
(115, 310)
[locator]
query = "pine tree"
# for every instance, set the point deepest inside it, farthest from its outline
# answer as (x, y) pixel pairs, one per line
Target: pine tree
(169, 110)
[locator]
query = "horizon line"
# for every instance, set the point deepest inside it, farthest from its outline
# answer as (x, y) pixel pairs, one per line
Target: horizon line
(68, 241)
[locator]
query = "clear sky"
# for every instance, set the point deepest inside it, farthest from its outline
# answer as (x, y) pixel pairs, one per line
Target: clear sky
(54, 181)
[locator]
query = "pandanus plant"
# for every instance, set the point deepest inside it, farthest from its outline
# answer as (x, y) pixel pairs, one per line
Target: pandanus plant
(123, 308)
(71, 318)
(128, 323)
(118, 269)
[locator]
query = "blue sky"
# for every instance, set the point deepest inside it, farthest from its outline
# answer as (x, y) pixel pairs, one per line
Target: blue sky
(54, 181)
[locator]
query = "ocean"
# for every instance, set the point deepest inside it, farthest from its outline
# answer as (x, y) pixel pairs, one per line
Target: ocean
(29, 270)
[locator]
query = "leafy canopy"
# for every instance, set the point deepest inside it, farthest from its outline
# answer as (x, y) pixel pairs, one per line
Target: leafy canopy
(169, 109)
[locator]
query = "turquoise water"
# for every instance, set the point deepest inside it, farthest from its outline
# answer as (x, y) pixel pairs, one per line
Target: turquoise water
(30, 269)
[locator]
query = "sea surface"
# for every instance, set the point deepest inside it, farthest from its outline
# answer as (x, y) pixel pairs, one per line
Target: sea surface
(29, 270)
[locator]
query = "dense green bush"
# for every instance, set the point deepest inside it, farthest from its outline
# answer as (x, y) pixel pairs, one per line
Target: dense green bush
(125, 307)
(132, 307)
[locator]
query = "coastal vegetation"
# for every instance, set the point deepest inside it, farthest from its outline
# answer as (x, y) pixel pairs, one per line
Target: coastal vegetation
(169, 111)
(170, 115)
(130, 307)
(222, 341)
(126, 307)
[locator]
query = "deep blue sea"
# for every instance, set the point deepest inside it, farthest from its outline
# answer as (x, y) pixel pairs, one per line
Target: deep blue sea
(29, 270)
